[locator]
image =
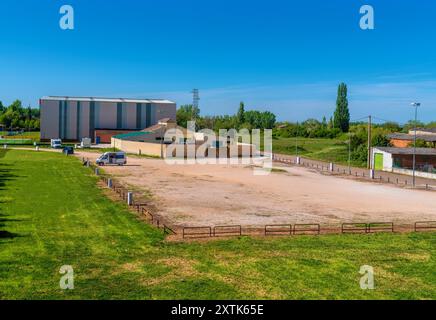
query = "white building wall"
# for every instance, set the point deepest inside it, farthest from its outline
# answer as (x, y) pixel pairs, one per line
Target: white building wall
(71, 120)
(387, 159)
(49, 119)
(129, 114)
(167, 110)
(84, 120)
(107, 115)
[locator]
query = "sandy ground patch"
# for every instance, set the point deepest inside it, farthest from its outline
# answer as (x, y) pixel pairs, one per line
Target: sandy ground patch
(198, 195)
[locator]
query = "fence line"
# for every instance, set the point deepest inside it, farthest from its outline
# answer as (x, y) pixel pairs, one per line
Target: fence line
(267, 230)
(352, 171)
(141, 207)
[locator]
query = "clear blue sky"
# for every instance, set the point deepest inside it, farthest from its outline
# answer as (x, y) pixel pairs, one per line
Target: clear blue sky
(285, 56)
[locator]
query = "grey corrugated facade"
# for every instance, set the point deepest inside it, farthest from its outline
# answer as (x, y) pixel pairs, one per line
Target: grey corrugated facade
(72, 119)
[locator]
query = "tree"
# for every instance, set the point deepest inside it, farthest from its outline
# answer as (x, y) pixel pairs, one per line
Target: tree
(16, 106)
(2, 108)
(260, 120)
(268, 120)
(186, 113)
(380, 140)
(241, 113)
(29, 113)
(342, 114)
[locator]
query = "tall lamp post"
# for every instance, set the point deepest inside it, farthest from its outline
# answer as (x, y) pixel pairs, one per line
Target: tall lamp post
(415, 105)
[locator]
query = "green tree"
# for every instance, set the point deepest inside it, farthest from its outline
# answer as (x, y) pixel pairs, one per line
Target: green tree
(342, 114)
(324, 122)
(186, 113)
(268, 120)
(241, 113)
(380, 140)
(29, 113)
(411, 124)
(421, 144)
(16, 106)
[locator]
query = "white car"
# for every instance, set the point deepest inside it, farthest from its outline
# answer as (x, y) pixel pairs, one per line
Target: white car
(115, 158)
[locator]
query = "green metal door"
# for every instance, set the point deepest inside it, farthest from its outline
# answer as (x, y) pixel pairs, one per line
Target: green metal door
(378, 161)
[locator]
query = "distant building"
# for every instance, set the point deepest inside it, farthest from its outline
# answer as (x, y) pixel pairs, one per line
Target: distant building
(404, 140)
(74, 118)
(152, 141)
(400, 160)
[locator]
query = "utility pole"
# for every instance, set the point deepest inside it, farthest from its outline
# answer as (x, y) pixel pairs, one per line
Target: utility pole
(369, 159)
(415, 105)
(195, 101)
(296, 140)
(349, 152)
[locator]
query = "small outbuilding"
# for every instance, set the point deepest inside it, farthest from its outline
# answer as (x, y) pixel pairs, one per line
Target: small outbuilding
(400, 160)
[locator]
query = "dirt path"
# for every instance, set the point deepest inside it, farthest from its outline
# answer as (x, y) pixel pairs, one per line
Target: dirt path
(198, 195)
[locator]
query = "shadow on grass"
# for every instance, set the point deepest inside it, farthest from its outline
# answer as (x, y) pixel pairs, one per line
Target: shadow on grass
(8, 235)
(6, 175)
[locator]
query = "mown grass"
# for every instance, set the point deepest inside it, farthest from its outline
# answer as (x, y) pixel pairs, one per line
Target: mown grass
(330, 150)
(52, 214)
(32, 135)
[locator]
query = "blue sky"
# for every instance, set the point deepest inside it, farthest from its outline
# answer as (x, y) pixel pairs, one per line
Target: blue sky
(283, 56)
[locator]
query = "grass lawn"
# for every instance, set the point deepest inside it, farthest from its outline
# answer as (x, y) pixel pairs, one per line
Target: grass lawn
(25, 139)
(35, 136)
(330, 150)
(52, 214)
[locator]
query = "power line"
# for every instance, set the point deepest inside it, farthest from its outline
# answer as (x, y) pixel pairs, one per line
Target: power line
(195, 98)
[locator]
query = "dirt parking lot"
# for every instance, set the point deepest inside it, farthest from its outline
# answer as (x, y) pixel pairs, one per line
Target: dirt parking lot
(198, 195)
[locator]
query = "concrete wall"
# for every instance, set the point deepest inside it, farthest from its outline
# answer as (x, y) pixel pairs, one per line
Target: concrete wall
(146, 148)
(418, 132)
(417, 173)
(154, 149)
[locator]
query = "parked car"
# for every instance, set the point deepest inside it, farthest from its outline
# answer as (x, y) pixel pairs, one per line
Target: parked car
(56, 143)
(85, 143)
(115, 158)
(68, 150)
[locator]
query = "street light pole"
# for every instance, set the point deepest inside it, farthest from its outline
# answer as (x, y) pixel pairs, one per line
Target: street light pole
(415, 105)
(369, 157)
(349, 152)
(296, 141)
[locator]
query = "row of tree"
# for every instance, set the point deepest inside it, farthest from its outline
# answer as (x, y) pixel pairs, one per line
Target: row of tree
(15, 116)
(251, 119)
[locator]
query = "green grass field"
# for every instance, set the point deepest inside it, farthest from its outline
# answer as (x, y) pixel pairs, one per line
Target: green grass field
(26, 138)
(330, 150)
(52, 214)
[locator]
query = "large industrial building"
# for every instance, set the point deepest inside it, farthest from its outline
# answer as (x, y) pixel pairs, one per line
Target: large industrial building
(74, 118)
